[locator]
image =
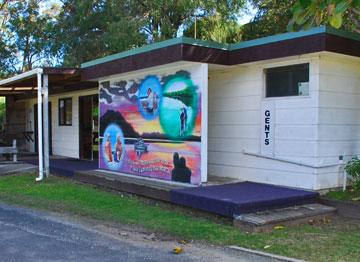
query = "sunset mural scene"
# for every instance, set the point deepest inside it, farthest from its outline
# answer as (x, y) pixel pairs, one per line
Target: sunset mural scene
(151, 127)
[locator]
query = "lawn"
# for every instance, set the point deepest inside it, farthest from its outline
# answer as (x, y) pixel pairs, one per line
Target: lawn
(336, 241)
(348, 195)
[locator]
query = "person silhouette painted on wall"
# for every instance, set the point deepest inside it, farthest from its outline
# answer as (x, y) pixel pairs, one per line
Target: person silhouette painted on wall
(180, 173)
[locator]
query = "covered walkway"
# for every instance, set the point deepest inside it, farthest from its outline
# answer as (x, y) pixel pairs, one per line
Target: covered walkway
(64, 166)
(38, 83)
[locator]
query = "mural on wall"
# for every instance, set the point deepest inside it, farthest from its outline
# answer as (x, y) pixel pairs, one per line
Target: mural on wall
(151, 127)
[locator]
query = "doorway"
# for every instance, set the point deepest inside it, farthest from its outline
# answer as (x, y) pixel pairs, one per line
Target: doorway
(36, 128)
(88, 127)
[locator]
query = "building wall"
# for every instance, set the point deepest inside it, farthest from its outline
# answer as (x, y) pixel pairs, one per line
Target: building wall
(236, 96)
(339, 115)
(65, 139)
(160, 129)
(310, 133)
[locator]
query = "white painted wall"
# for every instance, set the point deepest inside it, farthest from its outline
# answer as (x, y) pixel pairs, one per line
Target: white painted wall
(65, 139)
(235, 98)
(339, 115)
(310, 132)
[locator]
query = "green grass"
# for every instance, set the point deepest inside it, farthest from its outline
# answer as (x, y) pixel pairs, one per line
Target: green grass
(348, 195)
(323, 242)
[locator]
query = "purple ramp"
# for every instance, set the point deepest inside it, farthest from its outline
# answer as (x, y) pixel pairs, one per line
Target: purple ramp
(240, 198)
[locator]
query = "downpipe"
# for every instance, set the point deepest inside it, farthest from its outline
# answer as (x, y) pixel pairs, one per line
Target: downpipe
(40, 131)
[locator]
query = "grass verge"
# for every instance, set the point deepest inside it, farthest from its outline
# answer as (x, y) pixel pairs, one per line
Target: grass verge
(337, 241)
(348, 195)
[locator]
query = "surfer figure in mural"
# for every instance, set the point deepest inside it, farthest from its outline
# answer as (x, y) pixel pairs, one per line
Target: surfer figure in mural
(118, 148)
(150, 103)
(108, 150)
(182, 122)
(185, 120)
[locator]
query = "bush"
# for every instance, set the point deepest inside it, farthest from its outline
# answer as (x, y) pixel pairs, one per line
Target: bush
(353, 169)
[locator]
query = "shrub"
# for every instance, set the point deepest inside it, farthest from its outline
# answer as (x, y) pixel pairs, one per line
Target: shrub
(353, 169)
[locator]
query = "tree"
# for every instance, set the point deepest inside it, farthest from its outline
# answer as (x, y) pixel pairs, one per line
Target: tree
(7, 50)
(216, 28)
(26, 35)
(31, 33)
(165, 19)
(89, 29)
(337, 13)
(272, 17)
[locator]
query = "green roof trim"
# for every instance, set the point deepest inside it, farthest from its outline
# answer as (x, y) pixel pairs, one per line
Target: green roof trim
(230, 47)
(277, 38)
(343, 33)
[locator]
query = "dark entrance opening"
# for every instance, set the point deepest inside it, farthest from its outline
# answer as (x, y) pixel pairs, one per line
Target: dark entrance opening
(88, 127)
(36, 128)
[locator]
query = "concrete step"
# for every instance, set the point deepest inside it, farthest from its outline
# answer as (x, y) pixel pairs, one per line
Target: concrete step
(294, 215)
(152, 188)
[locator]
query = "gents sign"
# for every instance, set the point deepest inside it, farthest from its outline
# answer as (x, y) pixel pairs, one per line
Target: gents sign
(267, 127)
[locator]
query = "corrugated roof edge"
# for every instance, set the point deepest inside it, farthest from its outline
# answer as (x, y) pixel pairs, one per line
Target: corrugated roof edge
(216, 45)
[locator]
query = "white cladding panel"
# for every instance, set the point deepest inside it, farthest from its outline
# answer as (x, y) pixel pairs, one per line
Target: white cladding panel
(236, 104)
(339, 114)
(65, 139)
(310, 131)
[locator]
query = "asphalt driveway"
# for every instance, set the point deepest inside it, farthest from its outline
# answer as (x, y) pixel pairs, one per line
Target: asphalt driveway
(27, 235)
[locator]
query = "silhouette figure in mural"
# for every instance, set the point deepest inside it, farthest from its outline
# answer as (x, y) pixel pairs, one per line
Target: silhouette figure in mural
(180, 173)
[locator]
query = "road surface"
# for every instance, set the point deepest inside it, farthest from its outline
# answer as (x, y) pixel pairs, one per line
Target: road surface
(27, 235)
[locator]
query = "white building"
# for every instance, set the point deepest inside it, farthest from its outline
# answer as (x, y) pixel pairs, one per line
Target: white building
(280, 110)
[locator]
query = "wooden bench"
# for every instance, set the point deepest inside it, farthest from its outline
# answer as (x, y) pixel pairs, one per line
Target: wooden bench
(10, 150)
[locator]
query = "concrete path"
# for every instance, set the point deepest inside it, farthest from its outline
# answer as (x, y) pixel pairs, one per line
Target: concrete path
(9, 168)
(27, 235)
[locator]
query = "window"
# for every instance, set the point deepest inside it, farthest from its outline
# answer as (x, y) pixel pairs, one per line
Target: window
(65, 112)
(287, 81)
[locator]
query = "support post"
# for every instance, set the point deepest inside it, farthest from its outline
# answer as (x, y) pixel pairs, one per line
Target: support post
(15, 149)
(46, 124)
(40, 127)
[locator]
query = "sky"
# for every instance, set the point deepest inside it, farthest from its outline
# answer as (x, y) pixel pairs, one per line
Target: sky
(246, 17)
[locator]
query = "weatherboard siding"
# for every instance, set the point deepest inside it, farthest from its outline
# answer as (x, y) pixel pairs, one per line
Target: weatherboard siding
(235, 97)
(339, 115)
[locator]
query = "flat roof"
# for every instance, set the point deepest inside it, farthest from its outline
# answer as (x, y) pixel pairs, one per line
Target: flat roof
(226, 47)
(60, 79)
